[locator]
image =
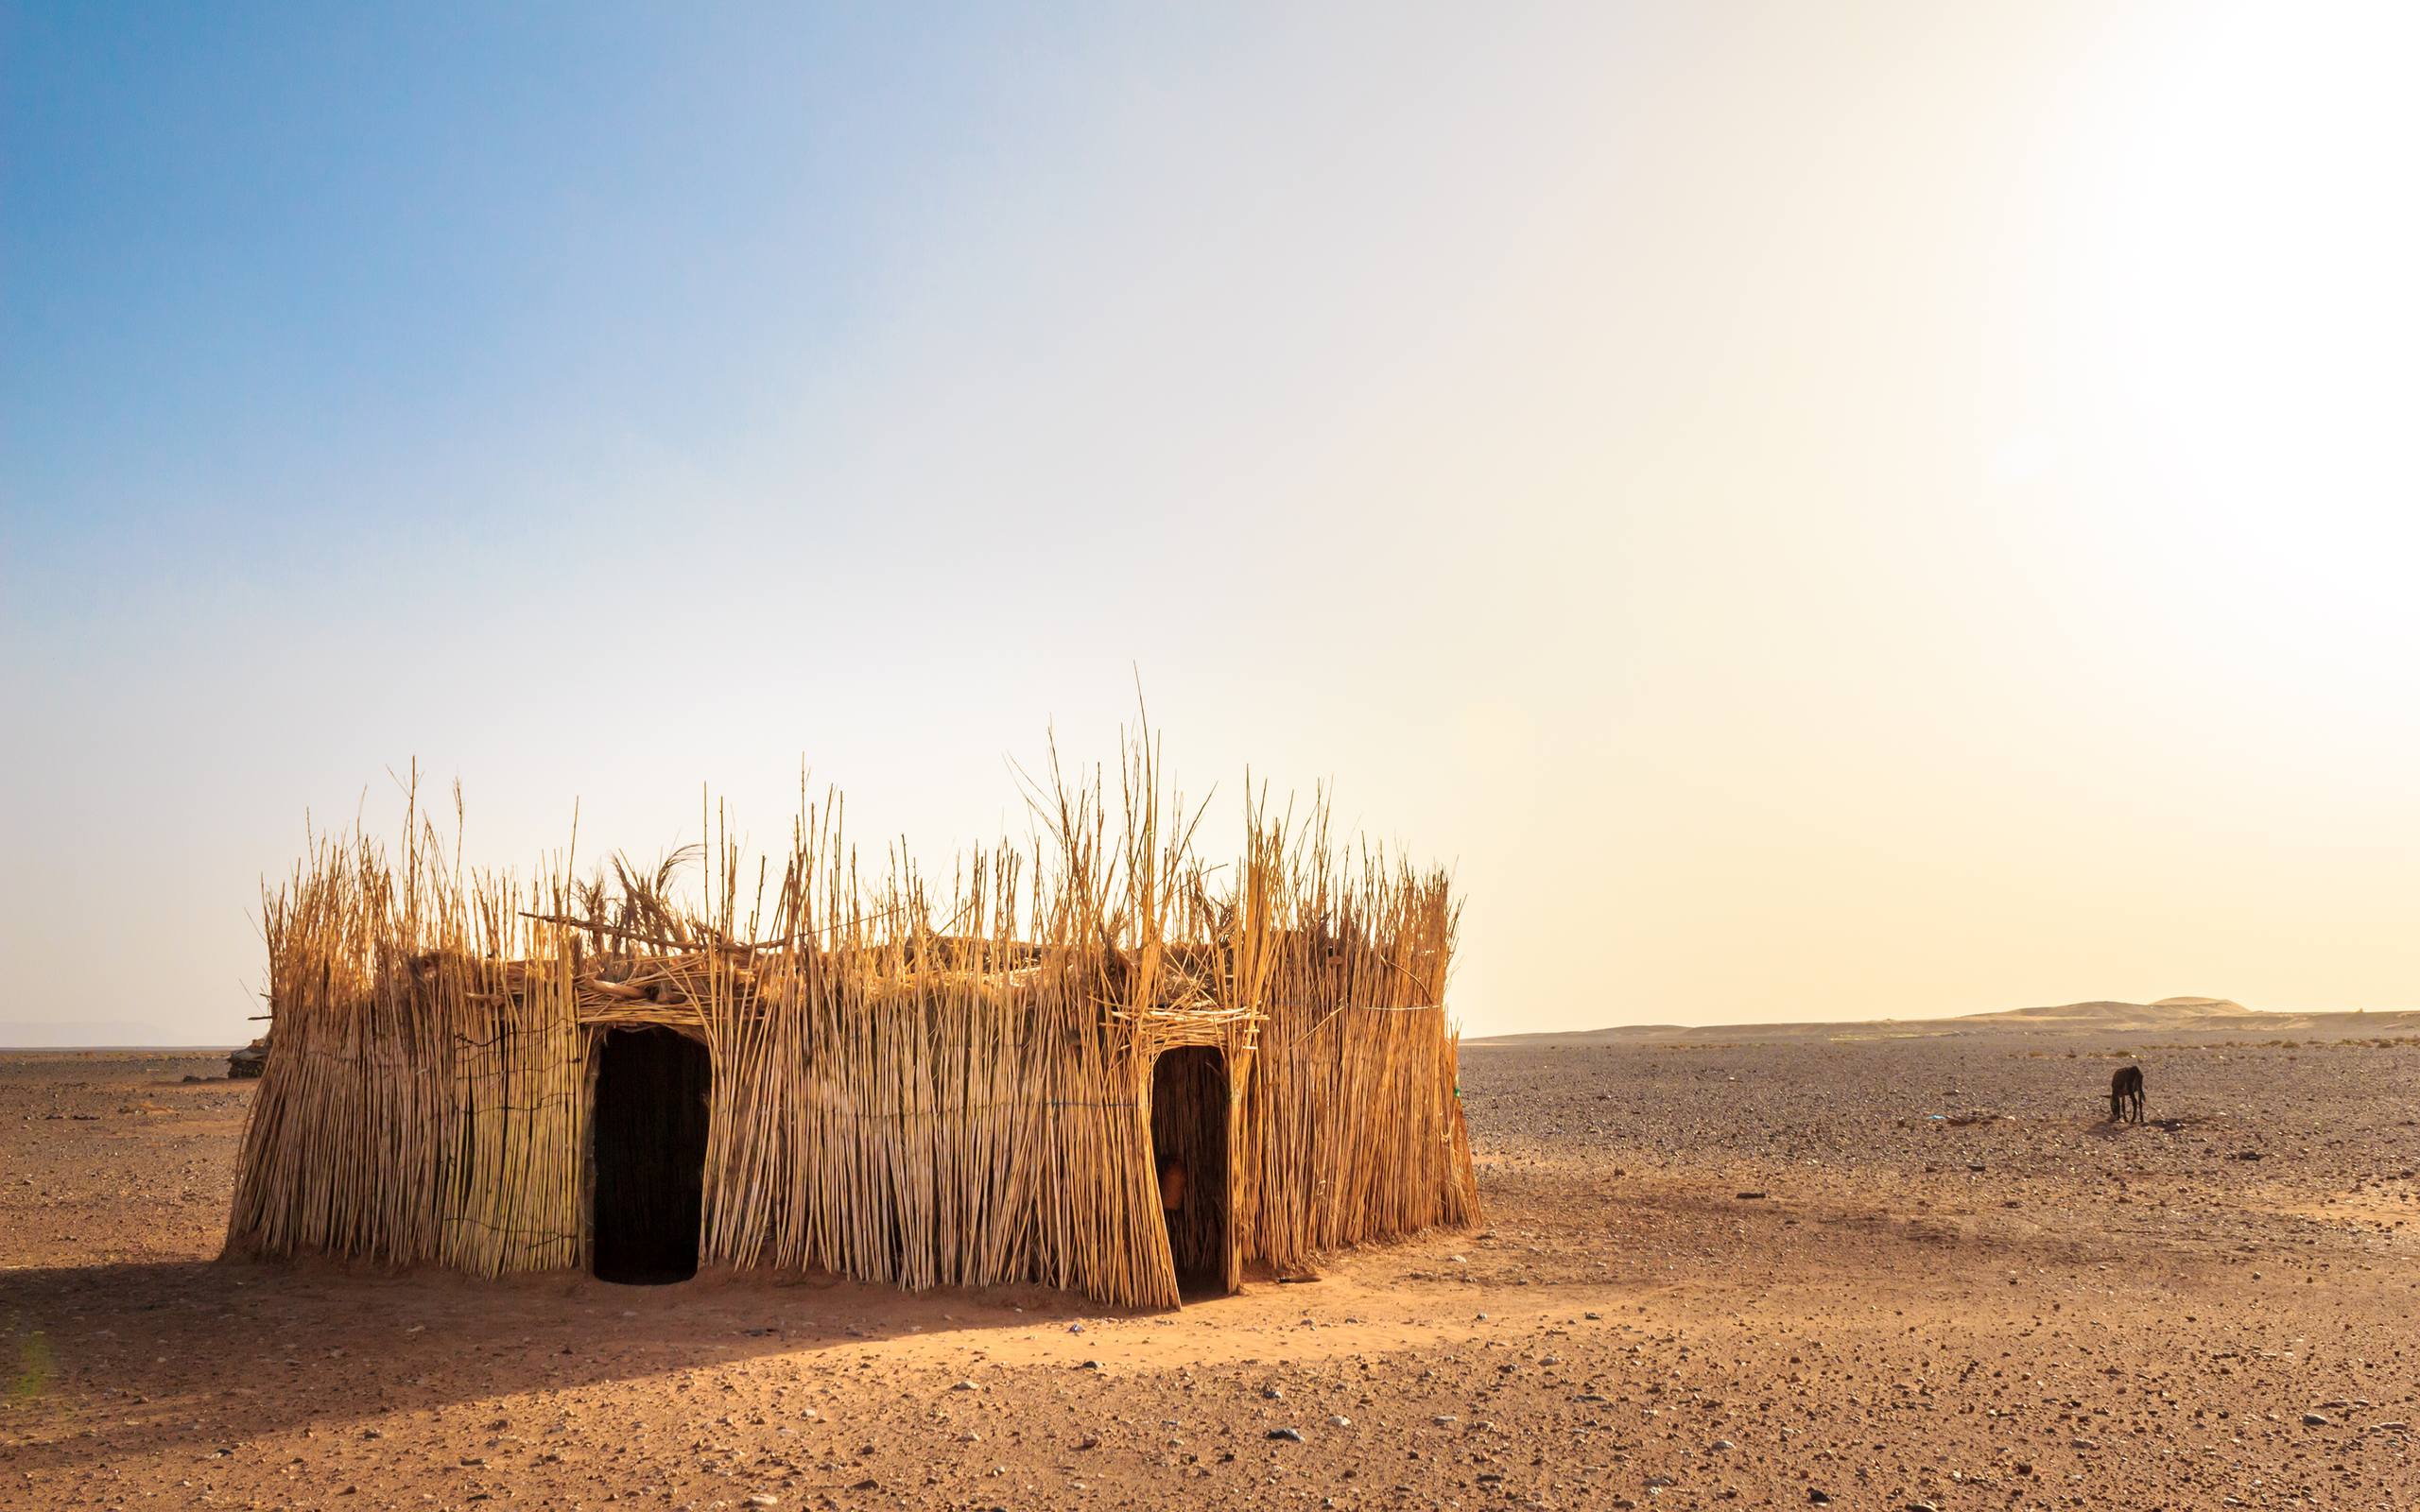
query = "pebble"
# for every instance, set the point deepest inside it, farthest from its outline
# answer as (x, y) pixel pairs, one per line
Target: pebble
(1291, 1435)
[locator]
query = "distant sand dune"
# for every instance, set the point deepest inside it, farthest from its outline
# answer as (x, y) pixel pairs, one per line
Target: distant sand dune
(2169, 1016)
(86, 1033)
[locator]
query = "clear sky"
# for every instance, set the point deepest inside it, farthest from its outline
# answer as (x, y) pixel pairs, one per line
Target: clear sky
(1814, 510)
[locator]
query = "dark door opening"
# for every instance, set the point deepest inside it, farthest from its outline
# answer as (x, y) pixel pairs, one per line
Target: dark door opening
(1189, 1153)
(650, 1128)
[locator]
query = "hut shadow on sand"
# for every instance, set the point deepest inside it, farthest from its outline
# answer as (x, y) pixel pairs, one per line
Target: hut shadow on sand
(194, 1357)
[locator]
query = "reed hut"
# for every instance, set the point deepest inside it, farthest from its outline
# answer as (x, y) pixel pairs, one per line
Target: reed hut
(812, 1063)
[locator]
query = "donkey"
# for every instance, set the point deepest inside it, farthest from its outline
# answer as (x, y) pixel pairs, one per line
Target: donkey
(2124, 1088)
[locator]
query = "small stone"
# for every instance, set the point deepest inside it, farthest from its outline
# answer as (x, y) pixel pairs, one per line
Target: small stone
(1819, 1497)
(1442, 1421)
(966, 1386)
(1340, 1421)
(762, 1498)
(1273, 1393)
(1722, 1444)
(2316, 1419)
(1291, 1435)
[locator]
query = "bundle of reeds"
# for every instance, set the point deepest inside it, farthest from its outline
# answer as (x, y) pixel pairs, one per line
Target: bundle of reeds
(905, 1087)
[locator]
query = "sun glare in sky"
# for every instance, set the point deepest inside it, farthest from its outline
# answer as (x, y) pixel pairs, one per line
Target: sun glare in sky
(1813, 512)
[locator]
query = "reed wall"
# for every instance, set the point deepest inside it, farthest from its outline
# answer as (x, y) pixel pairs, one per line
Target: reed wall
(907, 1088)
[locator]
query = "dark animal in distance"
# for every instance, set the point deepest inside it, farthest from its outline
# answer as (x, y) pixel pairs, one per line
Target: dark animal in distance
(2124, 1088)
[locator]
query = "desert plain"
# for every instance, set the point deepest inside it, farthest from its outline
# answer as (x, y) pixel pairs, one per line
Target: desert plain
(1883, 1266)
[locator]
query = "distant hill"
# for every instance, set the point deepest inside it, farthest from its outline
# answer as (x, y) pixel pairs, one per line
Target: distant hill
(2102, 1013)
(83, 1034)
(2169, 1016)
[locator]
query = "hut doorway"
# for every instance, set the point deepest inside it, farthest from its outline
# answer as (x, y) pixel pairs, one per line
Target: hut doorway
(1190, 1155)
(649, 1124)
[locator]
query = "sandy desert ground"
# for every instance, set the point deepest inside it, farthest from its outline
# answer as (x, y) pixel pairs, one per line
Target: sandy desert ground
(1713, 1273)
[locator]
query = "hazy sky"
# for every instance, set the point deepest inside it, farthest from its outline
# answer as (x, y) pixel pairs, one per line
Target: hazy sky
(1814, 510)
